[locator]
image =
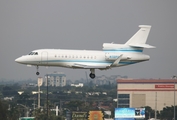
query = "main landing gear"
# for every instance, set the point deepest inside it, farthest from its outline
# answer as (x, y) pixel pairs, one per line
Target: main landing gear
(37, 73)
(92, 74)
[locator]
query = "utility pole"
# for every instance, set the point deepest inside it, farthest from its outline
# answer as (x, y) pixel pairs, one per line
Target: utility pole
(39, 102)
(34, 105)
(156, 105)
(86, 77)
(40, 81)
(47, 97)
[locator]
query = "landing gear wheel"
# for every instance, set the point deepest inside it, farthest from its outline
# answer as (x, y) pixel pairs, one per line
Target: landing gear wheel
(37, 73)
(92, 75)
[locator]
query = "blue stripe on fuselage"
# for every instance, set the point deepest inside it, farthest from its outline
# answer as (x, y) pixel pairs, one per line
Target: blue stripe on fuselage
(123, 50)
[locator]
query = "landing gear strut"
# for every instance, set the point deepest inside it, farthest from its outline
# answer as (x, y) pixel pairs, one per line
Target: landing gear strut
(92, 74)
(37, 73)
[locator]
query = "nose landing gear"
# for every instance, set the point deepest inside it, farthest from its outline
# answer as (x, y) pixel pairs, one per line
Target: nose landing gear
(37, 73)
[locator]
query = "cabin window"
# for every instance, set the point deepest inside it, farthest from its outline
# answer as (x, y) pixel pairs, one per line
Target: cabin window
(33, 53)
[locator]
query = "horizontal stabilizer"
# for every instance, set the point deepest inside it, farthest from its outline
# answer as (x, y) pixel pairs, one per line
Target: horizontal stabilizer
(141, 45)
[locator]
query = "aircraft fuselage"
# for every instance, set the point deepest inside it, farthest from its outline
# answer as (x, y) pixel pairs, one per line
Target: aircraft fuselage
(72, 58)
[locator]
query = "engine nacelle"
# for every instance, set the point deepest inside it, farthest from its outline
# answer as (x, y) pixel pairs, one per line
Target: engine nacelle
(111, 56)
(111, 46)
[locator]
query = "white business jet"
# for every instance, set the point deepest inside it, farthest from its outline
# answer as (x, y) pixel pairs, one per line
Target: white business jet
(112, 55)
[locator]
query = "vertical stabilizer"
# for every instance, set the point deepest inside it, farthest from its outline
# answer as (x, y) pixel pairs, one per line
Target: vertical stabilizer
(140, 37)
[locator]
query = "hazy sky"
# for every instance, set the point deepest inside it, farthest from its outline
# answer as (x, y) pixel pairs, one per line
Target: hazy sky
(26, 25)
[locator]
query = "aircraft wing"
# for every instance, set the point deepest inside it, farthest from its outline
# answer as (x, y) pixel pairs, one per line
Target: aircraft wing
(97, 66)
(87, 66)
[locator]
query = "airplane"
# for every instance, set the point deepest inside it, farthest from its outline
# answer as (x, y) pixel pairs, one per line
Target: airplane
(112, 55)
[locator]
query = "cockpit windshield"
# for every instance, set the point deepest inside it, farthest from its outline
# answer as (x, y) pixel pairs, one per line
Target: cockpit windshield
(33, 53)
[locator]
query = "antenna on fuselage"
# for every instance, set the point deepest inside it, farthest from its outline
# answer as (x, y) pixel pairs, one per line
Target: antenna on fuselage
(86, 77)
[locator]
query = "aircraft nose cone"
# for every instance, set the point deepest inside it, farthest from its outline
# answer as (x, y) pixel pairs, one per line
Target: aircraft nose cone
(18, 60)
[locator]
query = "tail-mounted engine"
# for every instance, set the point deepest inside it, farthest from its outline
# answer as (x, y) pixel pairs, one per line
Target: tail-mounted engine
(111, 56)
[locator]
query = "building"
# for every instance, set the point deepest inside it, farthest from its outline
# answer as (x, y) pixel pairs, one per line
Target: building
(55, 79)
(156, 93)
(78, 85)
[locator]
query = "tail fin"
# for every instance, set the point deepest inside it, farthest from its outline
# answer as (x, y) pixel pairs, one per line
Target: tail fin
(140, 37)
